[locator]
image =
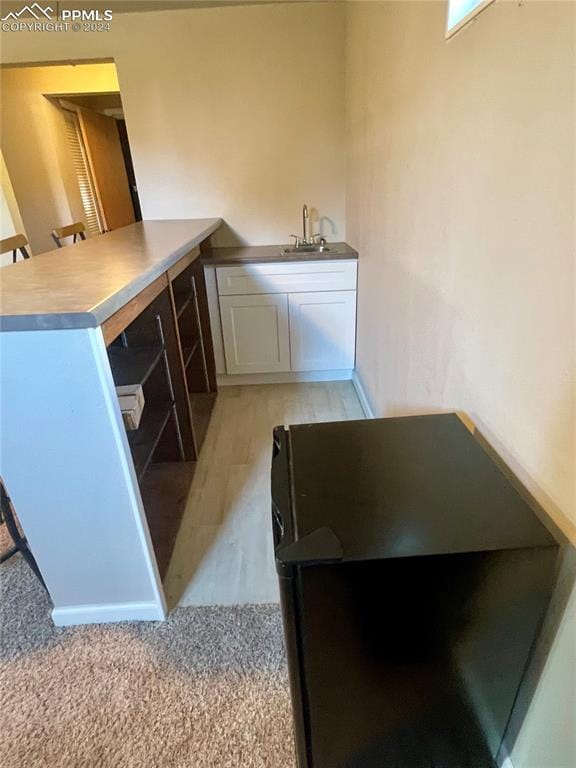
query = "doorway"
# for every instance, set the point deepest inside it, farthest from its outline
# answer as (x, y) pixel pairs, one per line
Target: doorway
(100, 152)
(66, 149)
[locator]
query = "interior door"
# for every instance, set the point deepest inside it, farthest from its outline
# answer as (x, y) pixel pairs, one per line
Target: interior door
(106, 161)
(255, 331)
(322, 330)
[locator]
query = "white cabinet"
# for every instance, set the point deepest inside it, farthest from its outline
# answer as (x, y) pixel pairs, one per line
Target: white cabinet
(322, 330)
(287, 277)
(288, 317)
(255, 332)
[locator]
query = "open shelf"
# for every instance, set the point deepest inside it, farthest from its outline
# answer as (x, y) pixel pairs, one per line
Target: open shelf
(165, 490)
(189, 352)
(133, 365)
(144, 440)
(182, 302)
(164, 350)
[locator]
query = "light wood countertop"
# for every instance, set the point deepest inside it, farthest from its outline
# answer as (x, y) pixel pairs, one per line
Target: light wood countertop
(82, 285)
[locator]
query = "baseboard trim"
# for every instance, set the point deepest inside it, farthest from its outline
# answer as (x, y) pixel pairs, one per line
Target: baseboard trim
(507, 763)
(107, 612)
(290, 377)
(362, 396)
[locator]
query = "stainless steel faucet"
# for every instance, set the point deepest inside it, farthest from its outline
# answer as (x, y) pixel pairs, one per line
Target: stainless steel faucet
(307, 240)
(306, 224)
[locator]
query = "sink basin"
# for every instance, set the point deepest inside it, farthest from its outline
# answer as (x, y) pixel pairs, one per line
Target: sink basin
(306, 249)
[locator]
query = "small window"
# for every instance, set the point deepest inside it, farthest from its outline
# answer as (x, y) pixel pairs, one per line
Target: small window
(460, 12)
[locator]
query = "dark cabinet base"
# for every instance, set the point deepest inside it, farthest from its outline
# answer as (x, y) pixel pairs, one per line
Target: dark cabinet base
(411, 663)
(167, 349)
(412, 660)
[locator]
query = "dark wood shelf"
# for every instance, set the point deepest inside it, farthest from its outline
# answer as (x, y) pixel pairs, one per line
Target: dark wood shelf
(144, 440)
(174, 422)
(182, 302)
(165, 490)
(201, 404)
(133, 365)
(189, 352)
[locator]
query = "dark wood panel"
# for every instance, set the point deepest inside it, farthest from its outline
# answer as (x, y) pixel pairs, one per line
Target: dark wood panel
(204, 314)
(201, 404)
(165, 490)
(164, 479)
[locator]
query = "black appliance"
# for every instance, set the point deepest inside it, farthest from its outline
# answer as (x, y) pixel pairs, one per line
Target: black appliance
(414, 579)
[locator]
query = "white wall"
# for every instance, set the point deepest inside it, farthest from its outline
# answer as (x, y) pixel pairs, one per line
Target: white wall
(231, 112)
(10, 219)
(7, 226)
(460, 199)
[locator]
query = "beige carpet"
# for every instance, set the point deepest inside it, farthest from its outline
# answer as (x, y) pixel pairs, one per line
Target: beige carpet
(207, 688)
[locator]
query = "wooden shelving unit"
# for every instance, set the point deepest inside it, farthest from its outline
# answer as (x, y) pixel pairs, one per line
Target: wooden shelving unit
(191, 309)
(167, 349)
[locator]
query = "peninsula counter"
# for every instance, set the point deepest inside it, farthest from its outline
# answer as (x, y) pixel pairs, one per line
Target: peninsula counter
(101, 505)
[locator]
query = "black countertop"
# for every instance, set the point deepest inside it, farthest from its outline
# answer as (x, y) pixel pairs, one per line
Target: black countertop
(401, 487)
(264, 254)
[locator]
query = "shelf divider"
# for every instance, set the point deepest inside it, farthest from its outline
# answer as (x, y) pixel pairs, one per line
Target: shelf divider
(182, 302)
(133, 365)
(144, 440)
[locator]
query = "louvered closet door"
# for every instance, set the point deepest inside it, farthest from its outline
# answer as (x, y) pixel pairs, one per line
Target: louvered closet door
(106, 162)
(87, 194)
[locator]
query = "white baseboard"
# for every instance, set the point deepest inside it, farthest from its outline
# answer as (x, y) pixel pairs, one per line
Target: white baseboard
(290, 377)
(364, 402)
(105, 613)
(507, 763)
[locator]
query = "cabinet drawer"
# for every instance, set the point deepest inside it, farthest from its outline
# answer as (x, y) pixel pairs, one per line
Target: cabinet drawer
(293, 277)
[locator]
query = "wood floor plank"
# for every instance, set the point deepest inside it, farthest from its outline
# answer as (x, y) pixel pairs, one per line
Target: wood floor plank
(223, 553)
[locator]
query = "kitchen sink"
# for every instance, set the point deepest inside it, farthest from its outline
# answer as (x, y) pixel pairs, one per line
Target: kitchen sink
(306, 249)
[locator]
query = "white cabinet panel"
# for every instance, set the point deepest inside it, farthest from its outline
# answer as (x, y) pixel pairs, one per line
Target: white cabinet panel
(322, 330)
(255, 331)
(287, 277)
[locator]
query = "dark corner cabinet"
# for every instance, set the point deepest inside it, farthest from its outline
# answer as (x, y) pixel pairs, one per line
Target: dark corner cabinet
(414, 579)
(166, 348)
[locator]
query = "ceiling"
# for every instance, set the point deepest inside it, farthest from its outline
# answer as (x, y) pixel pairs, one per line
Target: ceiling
(134, 6)
(138, 6)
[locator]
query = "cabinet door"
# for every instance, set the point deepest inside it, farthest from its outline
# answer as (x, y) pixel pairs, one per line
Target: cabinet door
(255, 331)
(322, 330)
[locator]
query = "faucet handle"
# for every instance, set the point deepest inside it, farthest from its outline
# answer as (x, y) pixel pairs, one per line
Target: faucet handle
(318, 239)
(297, 240)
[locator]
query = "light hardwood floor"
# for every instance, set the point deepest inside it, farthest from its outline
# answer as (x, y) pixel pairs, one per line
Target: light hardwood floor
(224, 554)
